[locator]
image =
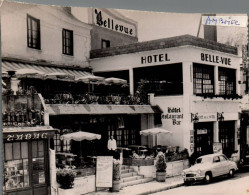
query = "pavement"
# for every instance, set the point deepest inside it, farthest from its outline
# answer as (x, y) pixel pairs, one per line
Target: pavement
(145, 188)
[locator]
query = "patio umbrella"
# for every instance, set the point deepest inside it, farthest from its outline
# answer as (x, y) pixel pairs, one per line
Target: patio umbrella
(90, 78)
(154, 131)
(115, 81)
(80, 136)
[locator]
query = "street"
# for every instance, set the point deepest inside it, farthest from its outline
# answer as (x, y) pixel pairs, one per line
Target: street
(239, 185)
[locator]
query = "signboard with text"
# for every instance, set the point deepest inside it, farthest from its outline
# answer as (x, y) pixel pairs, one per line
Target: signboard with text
(104, 171)
(105, 20)
(217, 147)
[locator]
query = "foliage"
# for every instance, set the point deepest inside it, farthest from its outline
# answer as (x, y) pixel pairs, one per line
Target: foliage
(116, 169)
(160, 162)
(193, 157)
(65, 177)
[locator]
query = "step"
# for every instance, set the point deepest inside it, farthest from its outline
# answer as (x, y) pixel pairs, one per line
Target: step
(127, 171)
(135, 182)
(124, 175)
(125, 167)
(132, 178)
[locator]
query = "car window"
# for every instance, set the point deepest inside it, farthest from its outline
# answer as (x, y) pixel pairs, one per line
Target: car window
(216, 159)
(222, 158)
(198, 160)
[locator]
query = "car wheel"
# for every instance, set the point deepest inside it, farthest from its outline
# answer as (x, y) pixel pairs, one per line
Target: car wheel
(186, 183)
(231, 173)
(208, 178)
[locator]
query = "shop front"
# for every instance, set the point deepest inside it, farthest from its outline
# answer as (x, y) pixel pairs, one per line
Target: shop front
(26, 168)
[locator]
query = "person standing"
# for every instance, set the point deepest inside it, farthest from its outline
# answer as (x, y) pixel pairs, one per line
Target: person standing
(112, 146)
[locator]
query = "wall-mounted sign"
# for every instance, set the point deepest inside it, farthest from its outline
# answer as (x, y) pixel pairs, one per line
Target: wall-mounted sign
(207, 117)
(103, 19)
(26, 136)
(201, 131)
(215, 59)
(174, 114)
(154, 58)
(217, 147)
(104, 171)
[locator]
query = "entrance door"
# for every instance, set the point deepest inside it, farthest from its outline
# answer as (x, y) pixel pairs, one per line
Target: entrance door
(226, 137)
(204, 138)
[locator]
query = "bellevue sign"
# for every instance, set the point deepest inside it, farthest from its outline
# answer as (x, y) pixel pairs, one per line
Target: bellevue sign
(102, 19)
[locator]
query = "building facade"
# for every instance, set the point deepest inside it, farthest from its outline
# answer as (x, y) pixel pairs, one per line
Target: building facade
(188, 78)
(109, 27)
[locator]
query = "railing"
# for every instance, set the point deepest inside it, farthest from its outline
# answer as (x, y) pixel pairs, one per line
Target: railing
(22, 110)
(96, 99)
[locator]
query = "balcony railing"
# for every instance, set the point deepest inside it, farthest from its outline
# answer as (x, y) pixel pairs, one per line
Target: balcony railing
(22, 111)
(68, 98)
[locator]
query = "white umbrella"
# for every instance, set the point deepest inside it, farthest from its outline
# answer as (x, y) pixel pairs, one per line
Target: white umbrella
(154, 131)
(115, 80)
(24, 71)
(81, 135)
(90, 78)
(59, 75)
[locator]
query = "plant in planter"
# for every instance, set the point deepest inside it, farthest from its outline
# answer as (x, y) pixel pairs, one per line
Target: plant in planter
(116, 175)
(65, 177)
(160, 167)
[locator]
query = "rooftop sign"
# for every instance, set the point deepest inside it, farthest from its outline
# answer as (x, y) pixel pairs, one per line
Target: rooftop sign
(104, 20)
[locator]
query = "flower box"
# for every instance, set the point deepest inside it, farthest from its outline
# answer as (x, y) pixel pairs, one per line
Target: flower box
(66, 191)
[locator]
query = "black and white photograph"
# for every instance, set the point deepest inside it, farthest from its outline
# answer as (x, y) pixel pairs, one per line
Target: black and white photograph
(104, 101)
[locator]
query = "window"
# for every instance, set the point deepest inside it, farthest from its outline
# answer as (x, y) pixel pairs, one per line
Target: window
(67, 42)
(203, 79)
(38, 165)
(16, 171)
(105, 43)
(61, 145)
(33, 33)
(227, 81)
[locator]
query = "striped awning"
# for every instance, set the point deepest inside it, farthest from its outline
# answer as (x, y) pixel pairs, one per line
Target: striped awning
(11, 65)
(69, 109)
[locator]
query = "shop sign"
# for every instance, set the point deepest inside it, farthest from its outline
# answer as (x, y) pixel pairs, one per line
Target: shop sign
(26, 136)
(104, 20)
(104, 171)
(201, 131)
(154, 58)
(215, 59)
(174, 114)
(217, 147)
(207, 117)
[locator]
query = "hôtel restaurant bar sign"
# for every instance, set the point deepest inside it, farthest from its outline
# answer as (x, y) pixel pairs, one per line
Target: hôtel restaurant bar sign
(103, 19)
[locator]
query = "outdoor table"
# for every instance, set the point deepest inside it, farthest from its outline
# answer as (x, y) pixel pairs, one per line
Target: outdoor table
(143, 151)
(93, 158)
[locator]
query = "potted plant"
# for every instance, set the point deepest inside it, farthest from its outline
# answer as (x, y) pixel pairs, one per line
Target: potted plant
(65, 177)
(160, 167)
(116, 175)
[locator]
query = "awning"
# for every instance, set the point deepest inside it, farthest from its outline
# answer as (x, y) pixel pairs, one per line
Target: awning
(11, 65)
(66, 109)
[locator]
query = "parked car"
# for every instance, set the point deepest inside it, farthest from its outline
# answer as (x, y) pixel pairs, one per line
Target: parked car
(209, 166)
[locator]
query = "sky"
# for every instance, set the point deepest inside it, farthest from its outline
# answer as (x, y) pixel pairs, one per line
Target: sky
(156, 25)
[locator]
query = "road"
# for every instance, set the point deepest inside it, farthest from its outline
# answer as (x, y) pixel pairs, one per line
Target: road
(238, 185)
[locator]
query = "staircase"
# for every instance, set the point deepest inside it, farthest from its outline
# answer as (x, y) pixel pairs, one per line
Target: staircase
(130, 177)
